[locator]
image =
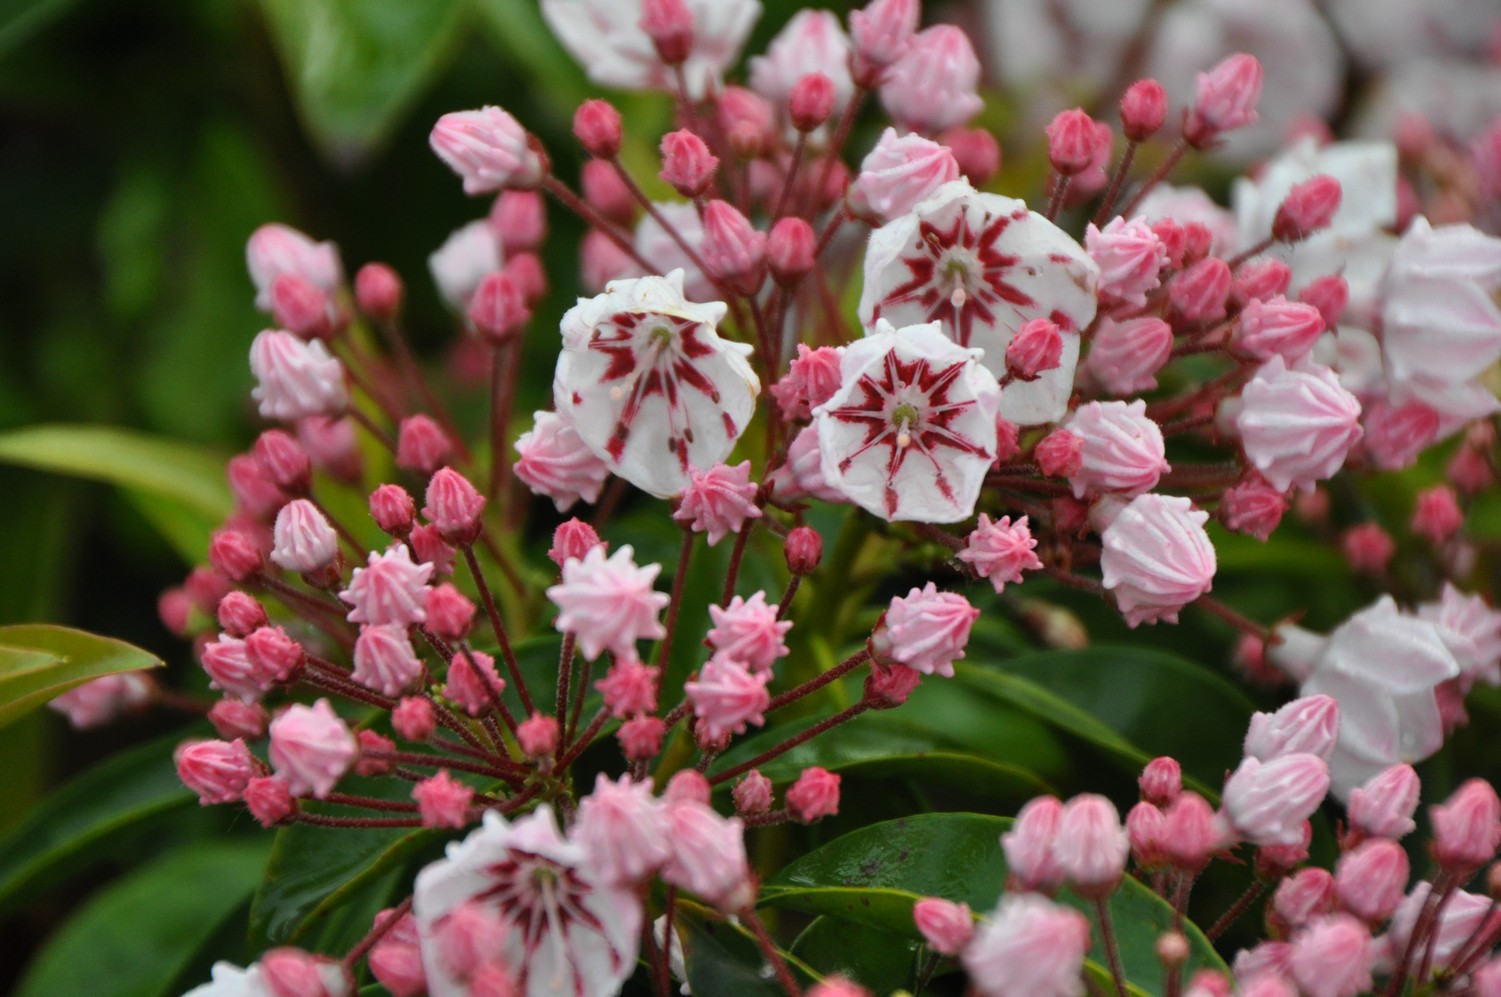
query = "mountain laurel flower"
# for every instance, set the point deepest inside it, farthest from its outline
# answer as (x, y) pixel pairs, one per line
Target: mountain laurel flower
(814, 796)
(497, 309)
(1383, 806)
(1277, 327)
(629, 688)
(811, 101)
(1460, 919)
(96, 703)
(488, 149)
(391, 588)
(1001, 550)
(881, 34)
(1036, 349)
(706, 853)
(1372, 878)
(384, 660)
(933, 85)
(472, 682)
(1309, 725)
(946, 926)
(726, 696)
(1262, 280)
(304, 541)
(454, 506)
(748, 631)
(276, 250)
(232, 719)
(901, 171)
(1123, 449)
(596, 124)
(609, 603)
(284, 461)
(217, 771)
(1130, 257)
(1297, 423)
(1308, 207)
(422, 446)
(443, 801)
(1252, 507)
(231, 671)
(982, 266)
(718, 501)
(926, 630)
(1143, 109)
(552, 459)
(1091, 846)
(1466, 827)
(1332, 957)
(414, 719)
(1394, 435)
(648, 383)
(1302, 897)
(1028, 945)
(539, 736)
(911, 432)
(1438, 320)
(753, 794)
(1266, 803)
(623, 827)
(1225, 99)
(811, 379)
(1071, 142)
(450, 613)
(255, 492)
(1161, 781)
(311, 748)
(1157, 558)
(1029, 845)
(811, 42)
(295, 379)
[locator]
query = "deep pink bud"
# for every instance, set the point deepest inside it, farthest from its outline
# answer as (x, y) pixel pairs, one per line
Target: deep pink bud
(396, 960)
(596, 124)
(1308, 207)
(471, 681)
(752, 795)
(1145, 827)
(629, 688)
(1466, 827)
(204, 588)
(1367, 547)
(538, 735)
(976, 151)
(1437, 515)
(1036, 348)
(498, 309)
(375, 754)
(1384, 806)
(1091, 846)
(789, 250)
(422, 445)
(450, 614)
(1276, 861)
(1143, 109)
(687, 164)
(1278, 326)
(1071, 142)
(235, 719)
(1029, 845)
(814, 796)
(1468, 470)
(1225, 99)
(1161, 781)
(1190, 833)
(733, 249)
(1199, 293)
(572, 539)
(255, 492)
(299, 306)
(284, 461)
(392, 509)
(519, 220)
(431, 548)
(454, 506)
(443, 801)
(414, 719)
(1060, 454)
(1252, 507)
(274, 654)
(811, 101)
(641, 738)
(1372, 879)
(269, 800)
(1259, 280)
(487, 148)
(1300, 898)
(378, 291)
(175, 610)
(235, 555)
(889, 685)
(1329, 294)
(946, 926)
(607, 193)
(240, 614)
(669, 25)
(216, 770)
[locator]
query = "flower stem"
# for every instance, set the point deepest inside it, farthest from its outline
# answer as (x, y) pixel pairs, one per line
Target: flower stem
(499, 627)
(1234, 911)
(1112, 948)
(843, 716)
(773, 956)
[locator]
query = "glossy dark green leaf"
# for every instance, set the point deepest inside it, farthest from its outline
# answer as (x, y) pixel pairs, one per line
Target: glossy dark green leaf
(136, 936)
(21, 19)
(873, 876)
(878, 960)
(89, 812)
(723, 958)
(39, 662)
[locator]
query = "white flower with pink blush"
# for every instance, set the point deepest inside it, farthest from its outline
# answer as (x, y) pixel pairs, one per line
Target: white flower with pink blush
(748, 630)
(1157, 558)
(926, 630)
(911, 432)
(1297, 423)
(391, 588)
(982, 266)
(649, 385)
(608, 603)
(280, 251)
(553, 460)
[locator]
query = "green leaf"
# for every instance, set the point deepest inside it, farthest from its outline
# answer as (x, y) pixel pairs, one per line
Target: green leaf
(874, 875)
(186, 529)
(723, 958)
(39, 662)
(188, 474)
(136, 936)
(90, 812)
(24, 18)
(356, 67)
(878, 960)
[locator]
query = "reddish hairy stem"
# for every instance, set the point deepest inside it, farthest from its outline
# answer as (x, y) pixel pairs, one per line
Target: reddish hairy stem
(843, 716)
(1117, 181)
(773, 956)
(814, 684)
(498, 625)
(322, 820)
(376, 934)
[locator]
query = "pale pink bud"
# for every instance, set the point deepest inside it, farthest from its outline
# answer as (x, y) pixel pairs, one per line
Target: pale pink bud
(629, 688)
(1297, 423)
(1225, 99)
(498, 309)
(1145, 828)
(1071, 141)
(933, 86)
(1260, 280)
(687, 164)
(733, 249)
(1122, 452)
(1060, 454)
(669, 25)
(217, 771)
(1001, 550)
(596, 124)
(641, 738)
(946, 926)
(623, 827)
(1029, 845)
(811, 379)
(1266, 803)
(1143, 109)
(976, 151)
(1367, 547)
(284, 461)
(1161, 781)
(553, 460)
(235, 555)
(706, 853)
(926, 630)
(274, 250)
(289, 972)
(269, 800)
(392, 509)
(1130, 256)
(396, 960)
(443, 801)
(1036, 349)
(748, 631)
(304, 541)
(384, 660)
(718, 501)
(414, 719)
(1372, 879)
(1029, 945)
(450, 614)
(1384, 805)
(814, 796)
(519, 218)
(1466, 827)
(1199, 293)
(230, 668)
(454, 506)
(311, 748)
(391, 588)
(902, 170)
(726, 696)
(1302, 897)
(1091, 846)
(1308, 207)
(881, 34)
(239, 614)
(296, 378)
(1278, 326)
(1332, 957)
(1190, 833)
(789, 250)
(1436, 515)
(472, 681)
(487, 148)
(752, 795)
(273, 654)
(378, 291)
(1125, 355)
(1308, 726)
(811, 101)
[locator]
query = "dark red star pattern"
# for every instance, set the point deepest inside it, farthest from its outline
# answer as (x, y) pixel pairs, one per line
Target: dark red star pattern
(984, 283)
(918, 384)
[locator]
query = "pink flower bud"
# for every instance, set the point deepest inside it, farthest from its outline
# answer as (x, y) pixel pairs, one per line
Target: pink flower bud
(1122, 451)
(1145, 829)
(573, 538)
(450, 614)
(392, 509)
(284, 461)
(1190, 833)
(1308, 207)
(718, 501)
(414, 719)
(1199, 293)
(311, 748)
(749, 120)
(1071, 142)
(726, 696)
(488, 149)
(669, 25)
(384, 660)
(204, 588)
(396, 960)
(1297, 423)
(1130, 256)
(1468, 470)
(1060, 454)
(1125, 356)
(811, 101)
(706, 851)
(378, 291)
(926, 630)
(748, 631)
(1091, 846)
(443, 801)
(1367, 547)
(300, 307)
(422, 445)
(1437, 515)
(304, 541)
(608, 194)
(235, 555)
(803, 550)
(268, 800)
(498, 309)
(174, 609)
(687, 165)
(946, 926)
(1252, 507)
(289, 972)
(1030, 854)
(217, 771)
(811, 379)
(274, 250)
(1308, 726)
(1466, 827)
(519, 219)
(1278, 326)
(933, 85)
(596, 124)
(454, 506)
(296, 379)
(789, 250)
(234, 719)
(641, 738)
(1161, 781)
(230, 669)
(1001, 550)
(1036, 348)
(1329, 294)
(1260, 280)
(629, 688)
(472, 681)
(1332, 957)
(1384, 805)
(332, 445)
(1143, 109)
(733, 249)
(239, 614)
(1304, 896)
(255, 492)
(976, 151)
(1157, 558)
(273, 655)
(1225, 99)
(881, 34)
(1029, 945)
(1266, 803)
(814, 796)
(752, 795)
(1372, 879)
(902, 170)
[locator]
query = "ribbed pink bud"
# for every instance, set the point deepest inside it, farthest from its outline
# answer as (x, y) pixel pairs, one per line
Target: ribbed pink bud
(450, 614)
(268, 800)
(255, 492)
(332, 445)
(234, 555)
(1060, 454)
(1145, 827)
(539, 735)
(1468, 470)
(296, 379)
(1029, 945)
(472, 680)
(946, 926)
(726, 696)
(629, 688)
(1252, 507)
(299, 306)
(230, 669)
(814, 796)
(1466, 827)
(290, 972)
(707, 851)
(488, 149)
(1190, 833)
(422, 445)
(608, 602)
(1330, 294)
(396, 960)
(275, 656)
(204, 587)
(789, 250)
(803, 550)
(811, 379)
(748, 631)
(1396, 434)
(718, 501)
(641, 738)
(519, 219)
(1161, 781)
(384, 660)
(284, 461)
(1367, 547)
(1297, 424)
(443, 801)
(1143, 109)
(311, 748)
(733, 249)
(378, 291)
(976, 151)
(926, 630)
(1260, 280)
(234, 719)
(216, 770)
(1332, 957)
(1000, 550)
(391, 588)
(498, 309)
(1308, 207)
(1436, 515)
(881, 34)
(239, 614)
(573, 538)
(1277, 327)
(1304, 726)
(687, 164)
(749, 121)
(669, 25)
(1029, 845)
(902, 170)
(553, 460)
(811, 101)
(1384, 805)
(1125, 355)
(455, 507)
(274, 250)
(392, 509)
(1225, 99)
(414, 719)
(1157, 558)
(596, 124)
(1091, 846)
(933, 86)
(304, 541)
(1036, 349)
(752, 795)
(1304, 896)
(1130, 256)
(1071, 141)
(1266, 803)
(1372, 879)
(1199, 293)
(1122, 452)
